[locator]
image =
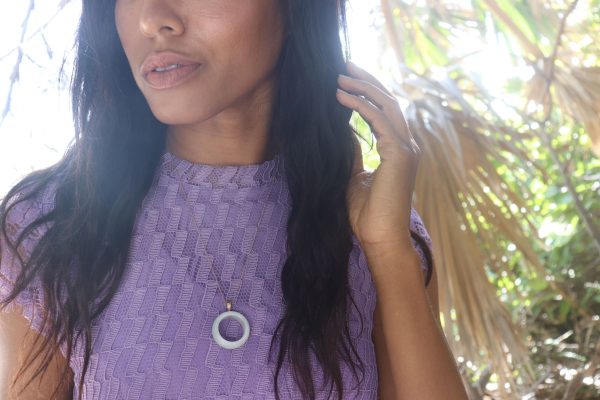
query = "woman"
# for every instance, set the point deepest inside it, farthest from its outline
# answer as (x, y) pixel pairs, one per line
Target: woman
(211, 232)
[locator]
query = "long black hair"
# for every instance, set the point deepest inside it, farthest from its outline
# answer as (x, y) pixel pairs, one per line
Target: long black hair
(81, 258)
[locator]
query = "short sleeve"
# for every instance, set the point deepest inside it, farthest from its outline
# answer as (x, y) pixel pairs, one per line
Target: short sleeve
(417, 225)
(30, 301)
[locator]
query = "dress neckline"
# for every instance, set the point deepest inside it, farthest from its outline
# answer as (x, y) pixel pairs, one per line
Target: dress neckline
(221, 176)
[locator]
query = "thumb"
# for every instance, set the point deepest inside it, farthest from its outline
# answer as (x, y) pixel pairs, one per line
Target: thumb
(357, 166)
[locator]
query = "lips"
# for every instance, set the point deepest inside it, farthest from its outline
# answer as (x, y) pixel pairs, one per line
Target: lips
(166, 69)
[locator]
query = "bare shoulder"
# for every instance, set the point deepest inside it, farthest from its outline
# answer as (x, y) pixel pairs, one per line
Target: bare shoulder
(17, 339)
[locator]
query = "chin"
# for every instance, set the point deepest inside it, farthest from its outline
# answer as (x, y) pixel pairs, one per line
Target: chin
(171, 115)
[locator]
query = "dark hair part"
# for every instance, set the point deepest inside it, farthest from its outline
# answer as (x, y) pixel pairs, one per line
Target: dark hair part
(81, 258)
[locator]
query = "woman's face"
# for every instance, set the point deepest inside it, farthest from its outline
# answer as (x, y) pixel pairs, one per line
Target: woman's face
(211, 55)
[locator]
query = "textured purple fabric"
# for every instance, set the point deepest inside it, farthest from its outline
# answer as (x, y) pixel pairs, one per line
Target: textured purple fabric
(154, 339)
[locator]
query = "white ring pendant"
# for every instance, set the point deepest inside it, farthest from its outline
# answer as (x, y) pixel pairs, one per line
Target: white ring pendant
(221, 341)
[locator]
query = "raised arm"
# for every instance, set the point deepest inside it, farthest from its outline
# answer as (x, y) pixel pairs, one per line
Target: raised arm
(406, 326)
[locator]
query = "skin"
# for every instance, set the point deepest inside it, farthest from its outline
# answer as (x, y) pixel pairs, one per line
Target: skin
(221, 116)
(17, 339)
(416, 361)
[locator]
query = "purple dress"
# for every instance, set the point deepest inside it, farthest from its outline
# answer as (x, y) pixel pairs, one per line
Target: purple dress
(154, 339)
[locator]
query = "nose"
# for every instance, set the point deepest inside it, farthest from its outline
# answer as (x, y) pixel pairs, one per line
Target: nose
(158, 17)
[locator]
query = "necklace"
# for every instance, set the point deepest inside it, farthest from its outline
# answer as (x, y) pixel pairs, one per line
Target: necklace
(229, 314)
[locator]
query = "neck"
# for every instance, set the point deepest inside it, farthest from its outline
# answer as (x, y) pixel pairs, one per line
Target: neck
(238, 135)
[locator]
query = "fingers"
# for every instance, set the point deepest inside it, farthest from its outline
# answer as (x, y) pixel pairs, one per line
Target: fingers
(360, 73)
(373, 115)
(373, 101)
(378, 97)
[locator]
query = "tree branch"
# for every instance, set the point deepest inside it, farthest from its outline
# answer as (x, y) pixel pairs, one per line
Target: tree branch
(546, 136)
(60, 7)
(14, 76)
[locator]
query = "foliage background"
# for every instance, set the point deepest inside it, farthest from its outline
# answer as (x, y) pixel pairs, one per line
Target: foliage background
(504, 100)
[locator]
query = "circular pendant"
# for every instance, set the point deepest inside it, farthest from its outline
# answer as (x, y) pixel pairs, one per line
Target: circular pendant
(221, 341)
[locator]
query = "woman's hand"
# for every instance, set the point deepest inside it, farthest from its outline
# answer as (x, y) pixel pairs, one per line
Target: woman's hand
(380, 202)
